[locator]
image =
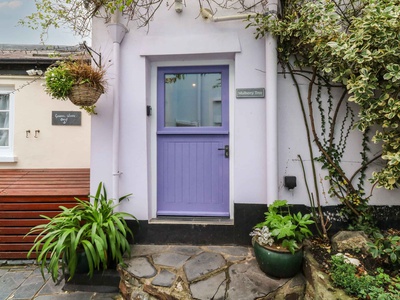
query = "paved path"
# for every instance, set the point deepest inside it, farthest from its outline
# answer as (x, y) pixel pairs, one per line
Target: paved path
(197, 272)
(22, 280)
(181, 272)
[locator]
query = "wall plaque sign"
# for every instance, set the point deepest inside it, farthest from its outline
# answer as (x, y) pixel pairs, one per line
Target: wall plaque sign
(250, 93)
(66, 118)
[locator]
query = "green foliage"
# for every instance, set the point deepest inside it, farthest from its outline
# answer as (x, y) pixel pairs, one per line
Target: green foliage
(386, 247)
(284, 227)
(59, 81)
(77, 14)
(90, 227)
(364, 286)
(61, 77)
(356, 44)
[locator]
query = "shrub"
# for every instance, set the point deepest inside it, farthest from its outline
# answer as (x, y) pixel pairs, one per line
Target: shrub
(377, 286)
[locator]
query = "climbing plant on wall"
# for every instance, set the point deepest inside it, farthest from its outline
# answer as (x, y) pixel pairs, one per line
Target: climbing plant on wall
(356, 45)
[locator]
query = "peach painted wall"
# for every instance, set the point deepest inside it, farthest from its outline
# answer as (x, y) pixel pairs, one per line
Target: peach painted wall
(55, 146)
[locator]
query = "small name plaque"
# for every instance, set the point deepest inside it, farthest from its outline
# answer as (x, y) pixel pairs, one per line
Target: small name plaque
(250, 93)
(66, 118)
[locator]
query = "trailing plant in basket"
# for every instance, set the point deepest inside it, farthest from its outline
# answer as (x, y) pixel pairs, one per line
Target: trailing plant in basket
(63, 76)
(90, 227)
(281, 228)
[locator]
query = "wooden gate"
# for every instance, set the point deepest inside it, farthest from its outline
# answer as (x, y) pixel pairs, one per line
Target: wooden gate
(27, 194)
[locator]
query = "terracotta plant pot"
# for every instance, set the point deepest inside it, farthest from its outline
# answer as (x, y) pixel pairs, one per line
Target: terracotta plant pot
(278, 263)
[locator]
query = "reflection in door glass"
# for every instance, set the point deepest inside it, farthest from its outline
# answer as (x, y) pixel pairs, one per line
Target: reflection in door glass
(193, 100)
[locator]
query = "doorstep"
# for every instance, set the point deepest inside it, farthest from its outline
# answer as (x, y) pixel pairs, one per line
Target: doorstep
(192, 221)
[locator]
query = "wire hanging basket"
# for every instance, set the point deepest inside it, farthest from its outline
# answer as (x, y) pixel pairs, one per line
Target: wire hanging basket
(84, 94)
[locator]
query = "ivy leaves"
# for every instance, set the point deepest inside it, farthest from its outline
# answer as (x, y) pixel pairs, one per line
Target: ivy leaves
(354, 43)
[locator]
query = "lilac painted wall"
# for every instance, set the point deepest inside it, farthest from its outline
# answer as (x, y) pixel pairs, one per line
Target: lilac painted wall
(186, 40)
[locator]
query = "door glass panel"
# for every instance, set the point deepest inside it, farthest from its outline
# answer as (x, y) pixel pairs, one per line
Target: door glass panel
(193, 100)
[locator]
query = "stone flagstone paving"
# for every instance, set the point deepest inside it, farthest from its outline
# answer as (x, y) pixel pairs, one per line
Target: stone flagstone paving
(168, 272)
(22, 280)
(196, 272)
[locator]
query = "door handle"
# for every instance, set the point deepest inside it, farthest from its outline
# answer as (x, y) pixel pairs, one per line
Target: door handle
(226, 149)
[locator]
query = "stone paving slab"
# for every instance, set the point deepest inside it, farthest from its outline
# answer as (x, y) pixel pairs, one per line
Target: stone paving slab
(164, 278)
(67, 296)
(143, 250)
(29, 287)
(230, 250)
(10, 282)
(211, 288)
(248, 282)
(25, 282)
(186, 250)
(203, 264)
(50, 288)
(232, 253)
(3, 271)
(170, 259)
(141, 267)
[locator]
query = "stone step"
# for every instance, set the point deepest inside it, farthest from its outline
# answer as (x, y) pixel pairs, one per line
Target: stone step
(200, 272)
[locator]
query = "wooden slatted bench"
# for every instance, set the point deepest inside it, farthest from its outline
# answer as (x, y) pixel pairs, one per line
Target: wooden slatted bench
(26, 194)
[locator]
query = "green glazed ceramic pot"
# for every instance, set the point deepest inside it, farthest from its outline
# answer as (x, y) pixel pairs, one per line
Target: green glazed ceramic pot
(278, 263)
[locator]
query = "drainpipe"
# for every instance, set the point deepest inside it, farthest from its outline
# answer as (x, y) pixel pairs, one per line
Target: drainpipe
(271, 83)
(117, 33)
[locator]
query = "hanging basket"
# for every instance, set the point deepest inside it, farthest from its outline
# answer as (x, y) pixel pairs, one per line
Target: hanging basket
(84, 95)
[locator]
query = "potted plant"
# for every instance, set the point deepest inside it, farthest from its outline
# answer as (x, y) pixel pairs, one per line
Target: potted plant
(277, 241)
(88, 236)
(75, 80)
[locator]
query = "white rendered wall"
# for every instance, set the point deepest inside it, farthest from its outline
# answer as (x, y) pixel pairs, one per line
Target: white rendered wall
(179, 39)
(55, 146)
(293, 142)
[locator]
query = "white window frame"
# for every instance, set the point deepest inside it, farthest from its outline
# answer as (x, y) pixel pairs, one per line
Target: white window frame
(7, 152)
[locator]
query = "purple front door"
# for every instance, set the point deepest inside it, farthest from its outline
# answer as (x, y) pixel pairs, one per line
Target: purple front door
(193, 141)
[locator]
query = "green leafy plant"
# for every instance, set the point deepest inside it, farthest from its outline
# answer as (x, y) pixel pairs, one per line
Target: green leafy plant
(61, 77)
(77, 15)
(338, 44)
(364, 286)
(284, 228)
(90, 227)
(59, 81)
(386, 247)
(342, 42)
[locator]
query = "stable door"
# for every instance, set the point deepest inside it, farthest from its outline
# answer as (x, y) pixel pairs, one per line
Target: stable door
(193, 141)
